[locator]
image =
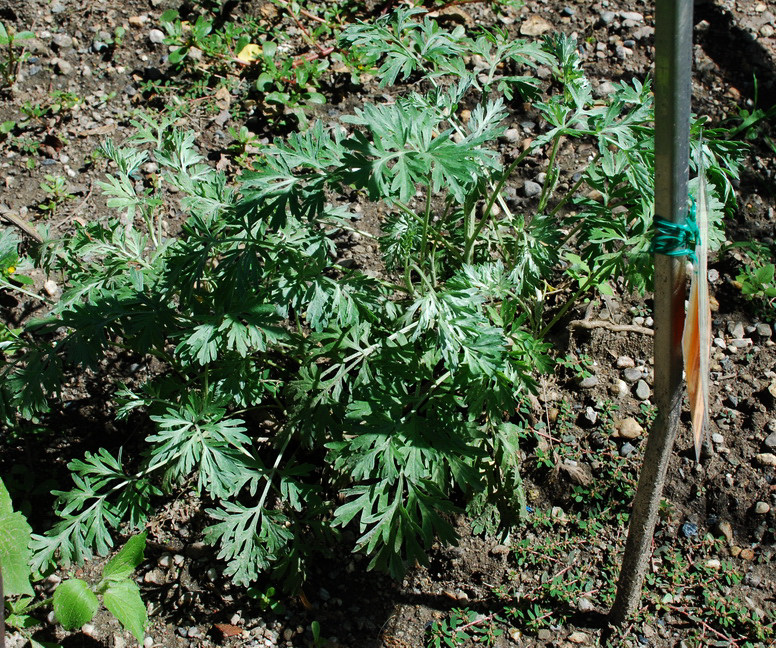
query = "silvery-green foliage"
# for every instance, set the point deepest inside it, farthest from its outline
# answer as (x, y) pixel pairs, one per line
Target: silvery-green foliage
(298, 396)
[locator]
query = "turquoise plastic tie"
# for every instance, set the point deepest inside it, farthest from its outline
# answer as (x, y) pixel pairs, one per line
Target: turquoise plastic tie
(677, 239)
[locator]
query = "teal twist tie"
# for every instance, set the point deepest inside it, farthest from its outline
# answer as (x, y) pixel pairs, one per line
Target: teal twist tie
(677, 239)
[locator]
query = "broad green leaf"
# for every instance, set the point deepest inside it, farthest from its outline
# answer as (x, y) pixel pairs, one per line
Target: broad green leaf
(269, 48)
(177, 55)
(126, 560)
(169, 16)
(122, 598)
(74, 604)
(251, 52)
(14, 547)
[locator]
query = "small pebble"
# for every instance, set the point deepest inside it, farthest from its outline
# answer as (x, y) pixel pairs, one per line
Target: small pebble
(713, 563)
(589, 382)
(604, 89)
(178, 559)
(642, 390)
(629, 428)
(717, 438)
(627, 449)
(764, 330)
(770, 440)
(725, 529)
(736, 329)
(747, 554)
(766, 459)
(148, 642)
(156, 36)
(88, 629)
(531, 188)
(761, 508)
(51, 288)
(512, 135)
(63, 67)
(689, 529)
(607, 17)
(625, 362)
(632, 374)
(165, 560)
(154, 577)
(578, 637)
(62, 41)
(632, 15)
(585, 605)
(591, 415)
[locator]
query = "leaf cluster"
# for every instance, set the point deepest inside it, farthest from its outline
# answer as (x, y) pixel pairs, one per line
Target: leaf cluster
(74, 602)
(298, 394)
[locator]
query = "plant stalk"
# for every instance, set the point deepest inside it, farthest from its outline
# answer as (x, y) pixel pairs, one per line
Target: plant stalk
(494, 195)
(673, 79)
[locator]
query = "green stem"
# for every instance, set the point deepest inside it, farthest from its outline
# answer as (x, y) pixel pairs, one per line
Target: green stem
(358, 356)
(427, 396)
(495, 193)
(567, 196)
(426, 222)
(549, 181)
(448, 246)
(4, 283)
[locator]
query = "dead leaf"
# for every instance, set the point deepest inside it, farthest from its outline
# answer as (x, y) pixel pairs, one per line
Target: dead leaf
(227, 629)
(250, 53)
(223, 163)
(534, 26)
(223, 98)
(578, 473)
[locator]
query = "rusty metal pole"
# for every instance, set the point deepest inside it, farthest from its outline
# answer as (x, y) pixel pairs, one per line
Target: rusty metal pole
(673, 91)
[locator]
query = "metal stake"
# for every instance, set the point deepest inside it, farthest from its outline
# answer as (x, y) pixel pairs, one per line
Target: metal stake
(673, 91)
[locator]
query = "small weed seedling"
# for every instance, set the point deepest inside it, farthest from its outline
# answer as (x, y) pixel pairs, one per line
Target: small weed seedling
(757, 278)
(11, 55)
(55, 188)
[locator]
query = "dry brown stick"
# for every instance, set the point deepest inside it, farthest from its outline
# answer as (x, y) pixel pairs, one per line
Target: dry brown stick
(706, 626)
(82, 204)
(619, 328)
(23, 225)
